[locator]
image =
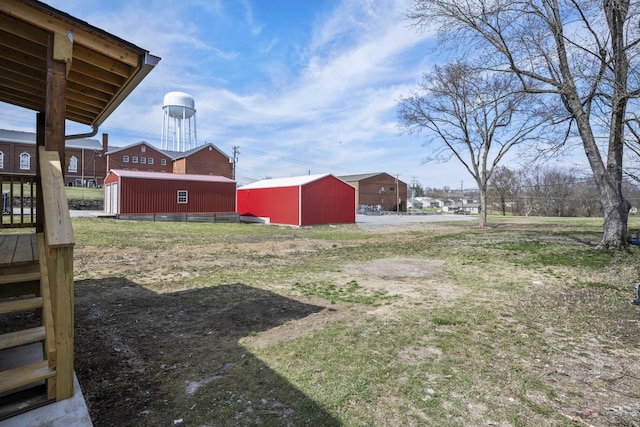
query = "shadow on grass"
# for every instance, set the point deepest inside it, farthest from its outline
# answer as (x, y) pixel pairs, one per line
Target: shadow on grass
(144, 358)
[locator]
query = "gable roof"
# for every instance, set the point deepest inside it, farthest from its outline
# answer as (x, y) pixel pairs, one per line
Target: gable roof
(293, 181)
(359, 177)
(126, 147)
(169, 176)
(363, 176)
(175, 155)
(102, 71)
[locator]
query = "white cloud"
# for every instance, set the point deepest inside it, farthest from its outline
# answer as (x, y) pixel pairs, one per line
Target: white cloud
(329, 101)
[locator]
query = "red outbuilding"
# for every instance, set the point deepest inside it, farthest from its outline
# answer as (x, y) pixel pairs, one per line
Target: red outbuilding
(136, 193)
(302, 200)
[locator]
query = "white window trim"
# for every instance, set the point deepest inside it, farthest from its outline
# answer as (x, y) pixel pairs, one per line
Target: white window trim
(183, 197)
(73, 164)
(25, 165)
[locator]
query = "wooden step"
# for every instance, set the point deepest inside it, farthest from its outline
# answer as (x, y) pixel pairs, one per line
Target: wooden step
(19, 277)
(22, 304)
(25, 375)
(25, 336)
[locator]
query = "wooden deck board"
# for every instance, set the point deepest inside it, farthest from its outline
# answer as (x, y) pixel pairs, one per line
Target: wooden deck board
(18, 249)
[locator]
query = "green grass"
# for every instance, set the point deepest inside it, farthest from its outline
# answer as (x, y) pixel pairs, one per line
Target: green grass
(350, 292)
(84, 193)
(504, 332)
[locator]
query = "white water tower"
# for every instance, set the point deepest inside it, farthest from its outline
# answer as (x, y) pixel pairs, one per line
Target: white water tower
(179, 122)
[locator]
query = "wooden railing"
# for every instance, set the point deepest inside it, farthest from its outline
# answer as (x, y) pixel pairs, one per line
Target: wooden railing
(57, 271)
(21, 189)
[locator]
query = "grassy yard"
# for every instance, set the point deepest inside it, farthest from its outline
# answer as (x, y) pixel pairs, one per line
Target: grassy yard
(84, 193)
(523, 324)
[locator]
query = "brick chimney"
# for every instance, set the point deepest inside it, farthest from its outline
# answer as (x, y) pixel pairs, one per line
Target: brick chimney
(105, 142)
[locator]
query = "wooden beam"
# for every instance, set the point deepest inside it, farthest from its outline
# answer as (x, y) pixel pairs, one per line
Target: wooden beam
(82, 34)
(63, 49)
(57, 220)
(55, 108)
(50, 353)
(40, 137)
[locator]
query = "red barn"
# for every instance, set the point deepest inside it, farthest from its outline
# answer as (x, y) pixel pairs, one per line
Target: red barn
(137, 194)
(302, 200)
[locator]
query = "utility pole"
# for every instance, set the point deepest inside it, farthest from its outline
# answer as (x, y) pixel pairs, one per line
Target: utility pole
(414, 180)
(236, 152)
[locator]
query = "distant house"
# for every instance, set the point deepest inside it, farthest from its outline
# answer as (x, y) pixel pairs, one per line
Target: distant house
(131, 194)
(298, 201)
(379, 191)
(433, 203)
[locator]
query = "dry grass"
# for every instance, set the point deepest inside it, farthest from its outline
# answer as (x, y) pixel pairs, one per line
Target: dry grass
(524, 324)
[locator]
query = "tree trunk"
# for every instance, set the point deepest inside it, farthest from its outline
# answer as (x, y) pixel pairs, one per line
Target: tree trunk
(483, 205)
(616, 215)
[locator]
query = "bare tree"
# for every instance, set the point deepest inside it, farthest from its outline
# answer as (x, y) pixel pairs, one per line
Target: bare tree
(582, 51)
(503, 187)
(473, 116)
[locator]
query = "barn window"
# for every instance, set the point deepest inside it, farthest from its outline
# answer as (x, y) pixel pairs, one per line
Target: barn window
(183, 196)
(150, 160)
(134, 159)
(382, 189)
(25, 161)
(163, 162)
(143, 160)
(1, 160)
(73, 164)
(143, 149)
(392, 189)
(125, 159)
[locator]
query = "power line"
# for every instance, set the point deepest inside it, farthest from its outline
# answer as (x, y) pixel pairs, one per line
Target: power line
(304, 162)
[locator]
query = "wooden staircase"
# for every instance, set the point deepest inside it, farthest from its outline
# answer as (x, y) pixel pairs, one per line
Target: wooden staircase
(27, 339)
(36, 292)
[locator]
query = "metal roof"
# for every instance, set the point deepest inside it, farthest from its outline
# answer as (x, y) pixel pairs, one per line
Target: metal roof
(359, 177)
(169, 176)
(293, 181)
(14, 136)
(113, 150)
(103, 70)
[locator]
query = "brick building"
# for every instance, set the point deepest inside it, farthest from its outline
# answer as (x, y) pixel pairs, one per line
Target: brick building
(87, 161)
(142, 156)
(378, 191)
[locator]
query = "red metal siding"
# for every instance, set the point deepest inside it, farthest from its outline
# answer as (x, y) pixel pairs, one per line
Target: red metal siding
(149, 196)
(328, 201)
(111, 177)
(280, 204)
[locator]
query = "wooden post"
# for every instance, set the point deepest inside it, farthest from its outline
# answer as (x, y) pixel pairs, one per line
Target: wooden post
(59, 242)
(55, 108)
(60, 266)
(40, 137)
(59, 259)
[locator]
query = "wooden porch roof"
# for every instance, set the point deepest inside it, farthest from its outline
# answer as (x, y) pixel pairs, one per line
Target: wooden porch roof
(102, 69)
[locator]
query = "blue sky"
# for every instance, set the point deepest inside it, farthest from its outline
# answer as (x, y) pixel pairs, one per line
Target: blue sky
(299, 86)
